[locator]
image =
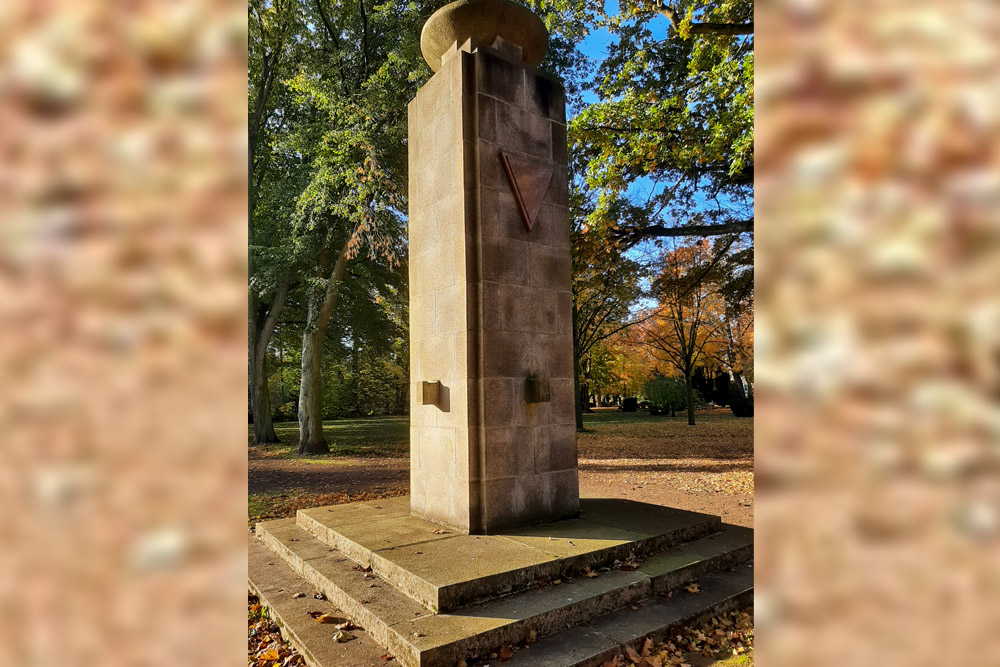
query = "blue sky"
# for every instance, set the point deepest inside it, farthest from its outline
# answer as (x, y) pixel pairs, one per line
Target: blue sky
(595, 46)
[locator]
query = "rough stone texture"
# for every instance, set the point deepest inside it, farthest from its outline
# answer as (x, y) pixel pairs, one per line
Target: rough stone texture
(520, 32)
(600, 640)
(419, 637)
(445, 570)
(275, 584)
(490, 301)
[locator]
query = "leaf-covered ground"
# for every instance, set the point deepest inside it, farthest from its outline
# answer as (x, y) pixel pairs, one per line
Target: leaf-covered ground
(725, 640)
(265, 645)
(707, 467)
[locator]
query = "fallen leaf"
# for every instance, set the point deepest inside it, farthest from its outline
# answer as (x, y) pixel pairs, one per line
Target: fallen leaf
(692, 588)
(340, 637)
(299, 595)
(346, 625)
(532, 635)
(439, 531)
(632, 655)
(320, 617)
(320, 596)
(386, 657)
(270, 654)
(506, 653)
(647, 648)
(587, 572)
(556, 582)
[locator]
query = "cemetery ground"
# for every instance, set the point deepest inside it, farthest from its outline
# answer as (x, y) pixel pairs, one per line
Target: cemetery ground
(655, 459)
(705, 468)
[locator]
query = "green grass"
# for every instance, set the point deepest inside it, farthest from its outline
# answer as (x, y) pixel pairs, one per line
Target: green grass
(360, 437)
(608, 434)
(256, 505)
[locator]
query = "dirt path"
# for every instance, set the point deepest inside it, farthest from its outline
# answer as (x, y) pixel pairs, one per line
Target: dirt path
(351, 476)
(707, 468)
(658, 481)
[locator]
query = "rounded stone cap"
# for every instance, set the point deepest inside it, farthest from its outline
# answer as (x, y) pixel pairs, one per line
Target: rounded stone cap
(483, 21)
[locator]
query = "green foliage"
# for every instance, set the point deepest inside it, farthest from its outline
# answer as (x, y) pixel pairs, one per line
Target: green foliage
(665, 394)
(338, 398)
(677, 114)
(381, 388)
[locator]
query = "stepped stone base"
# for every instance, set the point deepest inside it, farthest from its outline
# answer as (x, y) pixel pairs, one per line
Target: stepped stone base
(434, 597)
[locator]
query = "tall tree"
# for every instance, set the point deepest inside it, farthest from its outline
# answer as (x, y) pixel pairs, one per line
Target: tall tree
(688, 319)
(606, 286)
(273, 50)
(355, 90)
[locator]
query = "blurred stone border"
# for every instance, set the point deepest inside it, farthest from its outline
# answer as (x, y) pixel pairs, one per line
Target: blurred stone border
(878, 332)
(122, 344)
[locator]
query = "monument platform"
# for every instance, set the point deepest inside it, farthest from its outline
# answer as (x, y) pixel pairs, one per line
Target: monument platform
(433, 596)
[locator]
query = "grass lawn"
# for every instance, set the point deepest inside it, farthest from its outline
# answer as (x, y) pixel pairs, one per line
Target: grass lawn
(658, 459)
(607, 434)
(360, 437)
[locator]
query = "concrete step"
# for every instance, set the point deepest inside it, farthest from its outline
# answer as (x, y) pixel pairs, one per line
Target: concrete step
(445, 570)
(594, 643)
(276, 585)
(418, 637)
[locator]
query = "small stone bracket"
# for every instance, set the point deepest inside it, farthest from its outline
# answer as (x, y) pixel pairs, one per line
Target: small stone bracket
(430, 393)
(536, 390)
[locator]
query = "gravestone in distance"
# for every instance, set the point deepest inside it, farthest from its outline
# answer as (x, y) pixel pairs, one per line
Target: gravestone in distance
(492, 435)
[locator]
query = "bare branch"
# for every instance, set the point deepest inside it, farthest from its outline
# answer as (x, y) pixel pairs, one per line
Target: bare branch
(704, 28)
(660, 231)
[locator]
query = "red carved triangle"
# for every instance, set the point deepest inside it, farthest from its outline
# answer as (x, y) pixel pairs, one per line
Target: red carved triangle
(529, 180)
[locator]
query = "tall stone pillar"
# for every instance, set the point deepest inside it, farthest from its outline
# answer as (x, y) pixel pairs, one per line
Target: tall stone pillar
(492, 435)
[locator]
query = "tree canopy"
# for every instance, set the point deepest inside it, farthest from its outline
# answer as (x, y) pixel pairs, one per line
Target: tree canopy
(661, 140)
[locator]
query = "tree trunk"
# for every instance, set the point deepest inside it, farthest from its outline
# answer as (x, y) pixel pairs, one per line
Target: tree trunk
(319, 310)
(263, 319)
(689, 389)
(736, 378)
(311, 440)
(260, 402)
(578, 394)
(577, 371)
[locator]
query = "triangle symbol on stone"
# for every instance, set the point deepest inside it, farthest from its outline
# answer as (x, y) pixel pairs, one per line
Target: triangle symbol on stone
(529, 180)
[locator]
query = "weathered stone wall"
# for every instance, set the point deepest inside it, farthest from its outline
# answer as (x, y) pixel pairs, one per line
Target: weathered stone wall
(485, 458)
(439, 434)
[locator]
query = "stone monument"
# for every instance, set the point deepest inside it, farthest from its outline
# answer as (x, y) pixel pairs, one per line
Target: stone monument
(492, 435)
(493, 439)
